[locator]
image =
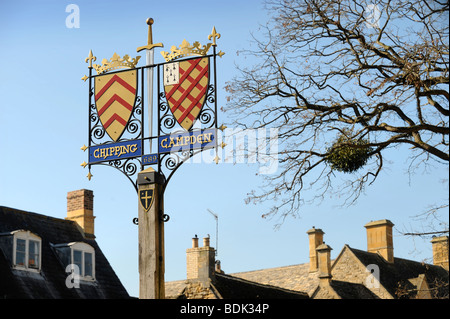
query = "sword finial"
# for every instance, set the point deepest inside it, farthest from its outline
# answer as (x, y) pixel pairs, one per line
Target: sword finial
(150, 44)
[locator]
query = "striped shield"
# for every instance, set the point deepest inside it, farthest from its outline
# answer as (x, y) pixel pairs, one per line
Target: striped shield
(185, 85)
(115, 96)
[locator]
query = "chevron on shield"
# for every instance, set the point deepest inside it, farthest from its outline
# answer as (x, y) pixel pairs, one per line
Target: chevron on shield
(115, 96)
(185, 85)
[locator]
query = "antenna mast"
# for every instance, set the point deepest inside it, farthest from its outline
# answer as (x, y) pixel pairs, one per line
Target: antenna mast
(217, 228)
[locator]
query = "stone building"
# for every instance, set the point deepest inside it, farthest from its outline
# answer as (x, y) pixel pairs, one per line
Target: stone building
(354, 274)
(43, 257)
(205, 280)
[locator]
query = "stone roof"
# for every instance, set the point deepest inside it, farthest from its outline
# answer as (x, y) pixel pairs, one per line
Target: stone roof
(234, 287)
(231, 287)
(294, 277)
(173, 289)
(49, 283)
(350, 290)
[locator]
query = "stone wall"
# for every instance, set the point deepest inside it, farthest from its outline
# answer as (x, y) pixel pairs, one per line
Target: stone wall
(324, 292)
(198, 290)
(348, 268)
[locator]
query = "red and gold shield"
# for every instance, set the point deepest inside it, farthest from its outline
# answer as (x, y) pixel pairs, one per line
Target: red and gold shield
(115, 96)
(185, 86)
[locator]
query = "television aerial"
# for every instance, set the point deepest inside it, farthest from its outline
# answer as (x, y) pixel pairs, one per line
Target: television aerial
(216, 217)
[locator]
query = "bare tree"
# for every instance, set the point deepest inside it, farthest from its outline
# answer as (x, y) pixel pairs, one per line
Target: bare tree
(344, 81)
(427, 225)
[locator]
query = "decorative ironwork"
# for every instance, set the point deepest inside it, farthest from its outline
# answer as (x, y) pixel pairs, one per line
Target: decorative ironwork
(128, 167)
(208, 114)
(106, 148)
(213, 36)
(166, 120)
(90, 58)
(164, 218)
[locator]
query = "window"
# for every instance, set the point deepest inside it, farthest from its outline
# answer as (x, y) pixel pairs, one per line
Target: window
(83, 259)
(77, 259)
(33, 254)
(27, 250)
(80, 254)
(87, 264)
(20, 252)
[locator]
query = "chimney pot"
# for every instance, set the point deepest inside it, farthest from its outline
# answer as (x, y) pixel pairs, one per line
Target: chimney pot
(195, 242)
(218, 267)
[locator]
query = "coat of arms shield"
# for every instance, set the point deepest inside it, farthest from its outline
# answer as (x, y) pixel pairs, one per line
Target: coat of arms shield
(146, 198)
(186, 86)
(115, 96)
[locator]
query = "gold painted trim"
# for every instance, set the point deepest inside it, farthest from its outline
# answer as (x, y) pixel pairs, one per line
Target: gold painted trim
(116, 62)
(214, 35)
(90, 58)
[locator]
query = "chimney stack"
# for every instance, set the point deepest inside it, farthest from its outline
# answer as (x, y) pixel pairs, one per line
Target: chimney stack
(379, 239)
(440, 251)
(315, 240)
(200, 261)
(80, 208)
(324, 261)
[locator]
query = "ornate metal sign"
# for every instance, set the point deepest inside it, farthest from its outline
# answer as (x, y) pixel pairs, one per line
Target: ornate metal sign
(186, 110)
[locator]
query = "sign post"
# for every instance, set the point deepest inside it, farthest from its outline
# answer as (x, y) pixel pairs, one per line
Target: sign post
(151, 234)
(186, 86)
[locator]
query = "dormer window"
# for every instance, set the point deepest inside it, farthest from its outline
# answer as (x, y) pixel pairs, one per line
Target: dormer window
(80, 254)
(27, 250)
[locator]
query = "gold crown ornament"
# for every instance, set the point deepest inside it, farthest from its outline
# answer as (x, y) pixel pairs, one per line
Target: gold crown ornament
(116, 62)
(196, 49)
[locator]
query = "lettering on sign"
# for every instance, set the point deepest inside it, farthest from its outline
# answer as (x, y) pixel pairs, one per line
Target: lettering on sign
(186, 141)
(149, 159)
(108, 152)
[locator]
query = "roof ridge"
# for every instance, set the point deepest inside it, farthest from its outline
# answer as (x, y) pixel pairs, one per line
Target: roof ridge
(271, 268)
(395, 258)
(24, 212)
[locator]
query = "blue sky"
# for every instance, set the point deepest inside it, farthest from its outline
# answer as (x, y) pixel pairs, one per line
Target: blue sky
(43, 124)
